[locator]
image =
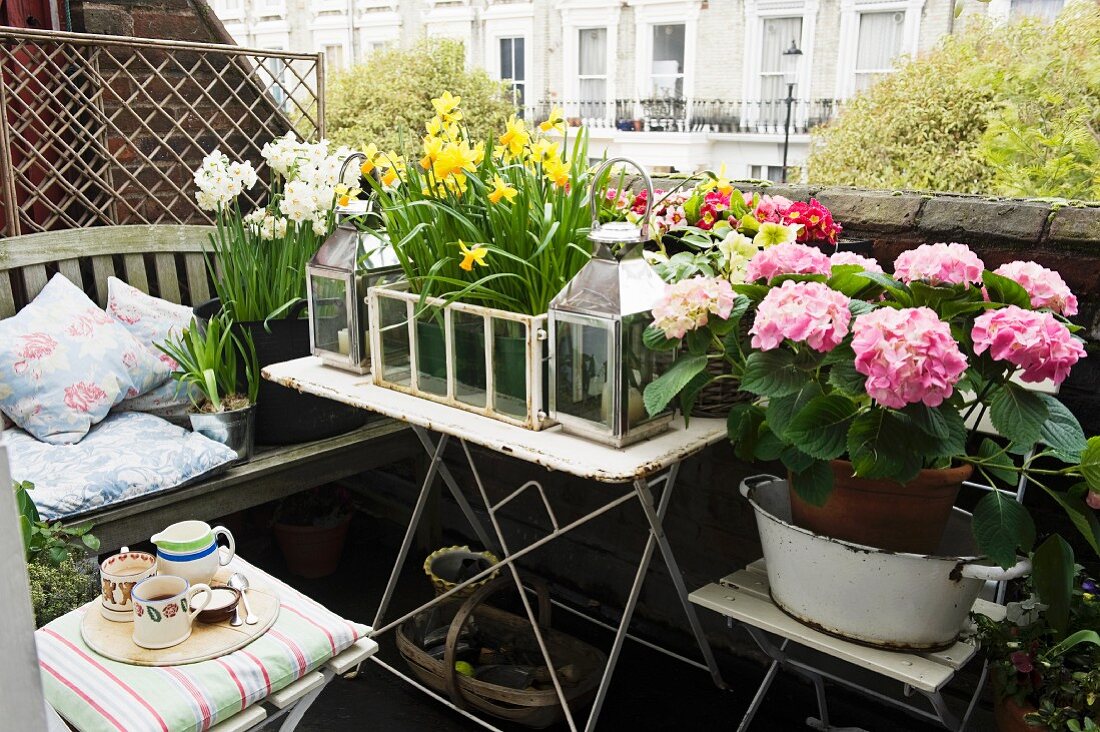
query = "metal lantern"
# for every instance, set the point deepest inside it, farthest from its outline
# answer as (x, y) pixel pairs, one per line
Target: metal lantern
(338, 275)
(599, 367)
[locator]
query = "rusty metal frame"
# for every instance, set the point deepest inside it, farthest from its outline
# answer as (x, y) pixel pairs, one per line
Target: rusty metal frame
(99, 129)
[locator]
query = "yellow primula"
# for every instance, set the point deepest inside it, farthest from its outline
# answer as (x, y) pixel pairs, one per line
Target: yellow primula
(515, 137)
(446, 106)
(473, 255)
(557, 172)
(501, 189)
(556, 121)
(454, 159)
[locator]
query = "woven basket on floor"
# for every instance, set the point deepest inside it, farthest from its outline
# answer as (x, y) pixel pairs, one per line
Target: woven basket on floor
(718, 397)
(532, 707)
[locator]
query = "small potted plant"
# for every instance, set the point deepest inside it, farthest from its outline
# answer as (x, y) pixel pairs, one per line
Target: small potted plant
(214, 359)
(311, 528)
(1045, 662)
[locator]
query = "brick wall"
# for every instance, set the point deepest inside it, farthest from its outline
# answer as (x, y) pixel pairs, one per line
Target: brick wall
(710, 527)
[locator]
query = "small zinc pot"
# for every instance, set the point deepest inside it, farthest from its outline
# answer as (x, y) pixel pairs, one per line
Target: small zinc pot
(882, 513)
(236, 429)
(312, 551)
(892, 600)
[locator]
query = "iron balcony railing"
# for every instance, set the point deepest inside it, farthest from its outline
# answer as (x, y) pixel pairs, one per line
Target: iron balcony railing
(759, 116)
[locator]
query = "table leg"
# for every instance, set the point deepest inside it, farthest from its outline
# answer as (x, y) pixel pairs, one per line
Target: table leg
(456, 492)
(294, 716)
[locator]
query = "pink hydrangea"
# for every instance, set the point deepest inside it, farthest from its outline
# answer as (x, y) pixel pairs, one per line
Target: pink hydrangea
(688, 304)
(807, 312)
(789, 258)
(1045, 286)
(1032, 341)
(907, 355)
(868, 263)
(939, 264)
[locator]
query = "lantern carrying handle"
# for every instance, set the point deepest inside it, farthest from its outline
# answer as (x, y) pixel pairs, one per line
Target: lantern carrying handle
(593, 206)
(347, 162)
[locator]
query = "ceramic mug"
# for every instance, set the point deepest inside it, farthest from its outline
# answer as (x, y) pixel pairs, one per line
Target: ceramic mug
(164, 609)
(118, 574)
(189, 549)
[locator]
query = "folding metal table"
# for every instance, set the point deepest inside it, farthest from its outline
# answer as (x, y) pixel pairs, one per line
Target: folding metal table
(643, 466)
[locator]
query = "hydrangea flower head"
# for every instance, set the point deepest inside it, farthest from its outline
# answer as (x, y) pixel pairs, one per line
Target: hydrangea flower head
(806, 312)
(788, 258)
(869, 264)
(939, 264)
(908, 356)
(688, 304)
(1035, 342)
(1046, 287)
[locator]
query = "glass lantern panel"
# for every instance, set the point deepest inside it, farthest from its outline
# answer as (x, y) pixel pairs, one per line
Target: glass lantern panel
(330, 313)
(639, 368)
(431, 351)
(469, 358)
(510, 367)
(581, 371)
(393, 320)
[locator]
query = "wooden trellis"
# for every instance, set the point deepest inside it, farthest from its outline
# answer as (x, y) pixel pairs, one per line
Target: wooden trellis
(99, 130)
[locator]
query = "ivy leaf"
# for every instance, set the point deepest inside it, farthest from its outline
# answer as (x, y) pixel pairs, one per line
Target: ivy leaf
(1090, 463)
(814, 485)
(781, 410)
(1000, 465)
(1052, 575)
(1001, 525)
(655, 340)
(1018, 413)
(820, 429)
(662, 389)
(1061, 431)
(1002, 289)
(880, 446)
(772, 374)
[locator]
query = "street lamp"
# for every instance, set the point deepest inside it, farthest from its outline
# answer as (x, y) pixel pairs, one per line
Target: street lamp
(790, 68)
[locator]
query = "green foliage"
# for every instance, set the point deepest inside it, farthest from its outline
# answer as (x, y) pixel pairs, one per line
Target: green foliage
(58, 589)
(208, 356)
(387, 99)
(1006, 109)
(45, 542)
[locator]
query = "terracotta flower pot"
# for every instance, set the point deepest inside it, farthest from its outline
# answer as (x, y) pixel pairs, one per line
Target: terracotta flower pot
(882, 513)
(1009, 716)
(312, 551)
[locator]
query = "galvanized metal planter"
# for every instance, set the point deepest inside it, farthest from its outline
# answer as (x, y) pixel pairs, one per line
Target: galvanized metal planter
(235, 429)
(873, 596)
(482, 360)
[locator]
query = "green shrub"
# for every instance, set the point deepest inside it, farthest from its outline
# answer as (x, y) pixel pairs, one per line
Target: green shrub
(1005, 109)
(58, 589)
(386, 99)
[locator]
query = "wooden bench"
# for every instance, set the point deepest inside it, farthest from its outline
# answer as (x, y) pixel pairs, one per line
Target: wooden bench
(167, 261)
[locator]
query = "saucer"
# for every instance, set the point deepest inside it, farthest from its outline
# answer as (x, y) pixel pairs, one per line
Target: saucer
(116, 616)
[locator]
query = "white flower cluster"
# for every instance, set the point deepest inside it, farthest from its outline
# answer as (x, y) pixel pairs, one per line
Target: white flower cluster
(220, 181)
(736, 251)
(268, 226)
(311, 175)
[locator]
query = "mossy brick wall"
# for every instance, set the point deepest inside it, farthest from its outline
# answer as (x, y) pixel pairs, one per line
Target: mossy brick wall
(710, 526)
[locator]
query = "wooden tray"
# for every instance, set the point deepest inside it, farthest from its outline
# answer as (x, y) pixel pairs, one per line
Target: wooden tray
(115, 640)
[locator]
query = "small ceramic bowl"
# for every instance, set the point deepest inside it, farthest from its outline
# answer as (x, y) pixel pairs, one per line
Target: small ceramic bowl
(222, 604)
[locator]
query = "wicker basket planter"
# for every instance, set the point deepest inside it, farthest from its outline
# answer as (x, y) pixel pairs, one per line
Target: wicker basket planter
(483, 360)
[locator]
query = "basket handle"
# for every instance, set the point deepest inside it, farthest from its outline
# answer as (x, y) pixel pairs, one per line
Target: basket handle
(483, 593)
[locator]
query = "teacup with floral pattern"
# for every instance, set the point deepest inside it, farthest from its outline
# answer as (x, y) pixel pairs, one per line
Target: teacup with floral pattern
(165, 606)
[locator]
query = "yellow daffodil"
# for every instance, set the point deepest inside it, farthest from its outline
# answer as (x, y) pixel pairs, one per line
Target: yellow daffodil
(479, 153)
(470, 256)
(446, 106)
(432, 147)
(344, 194)
(371, 162)
(453, 159)
(556, 121)
(544, 151)
(557, 172)
(515, 137)
(501, 189)
(438, 127)
(389, 177)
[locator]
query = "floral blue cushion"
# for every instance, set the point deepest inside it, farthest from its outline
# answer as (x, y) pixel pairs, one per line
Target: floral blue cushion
(125, 456)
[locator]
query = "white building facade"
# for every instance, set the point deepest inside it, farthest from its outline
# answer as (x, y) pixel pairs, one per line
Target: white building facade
(675, 84)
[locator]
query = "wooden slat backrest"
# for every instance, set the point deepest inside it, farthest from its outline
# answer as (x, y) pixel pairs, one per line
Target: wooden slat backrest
(87, 257)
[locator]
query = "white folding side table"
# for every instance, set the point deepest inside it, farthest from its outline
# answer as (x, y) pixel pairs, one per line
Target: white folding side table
(643, 466)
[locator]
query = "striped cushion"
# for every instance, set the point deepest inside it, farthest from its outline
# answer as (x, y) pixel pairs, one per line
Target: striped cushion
(95, 693)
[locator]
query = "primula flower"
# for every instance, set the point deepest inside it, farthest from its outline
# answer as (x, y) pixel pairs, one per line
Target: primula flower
(688, 304)
(501, 189)
(842, 258)
(769, 208)
(1035, 342)
(515, 137)
(446, 106)
(1046, 287)
(1021, 660)
(784, 259)
(472, 255)
(556, 121)
(908, 356)
(806, 312)
(771, 235)
(816, 220)
(939, 264)
(737, 251)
